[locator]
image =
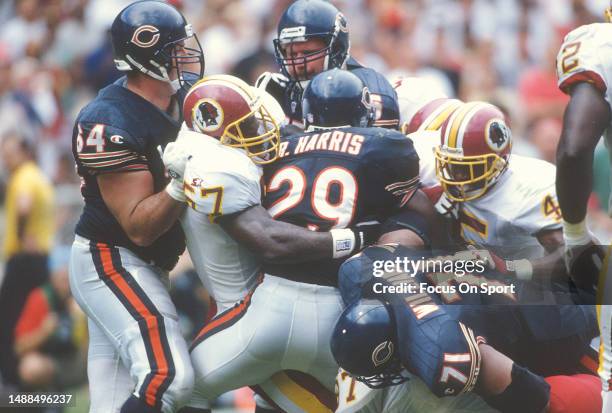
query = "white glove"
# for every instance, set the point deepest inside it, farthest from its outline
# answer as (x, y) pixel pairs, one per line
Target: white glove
(176, 191)
(447, 207)
(175, 159)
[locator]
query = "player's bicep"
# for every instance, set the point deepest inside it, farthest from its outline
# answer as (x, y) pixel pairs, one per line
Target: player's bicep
(102, 149)
(123, 191)
(248, 226)
(585, 119)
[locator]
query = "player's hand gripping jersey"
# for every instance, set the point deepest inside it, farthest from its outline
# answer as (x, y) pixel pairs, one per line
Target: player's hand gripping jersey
(102, 144)
(335, 178)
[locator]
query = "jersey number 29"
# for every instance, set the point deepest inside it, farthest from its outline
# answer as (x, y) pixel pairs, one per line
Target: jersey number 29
(340, 212)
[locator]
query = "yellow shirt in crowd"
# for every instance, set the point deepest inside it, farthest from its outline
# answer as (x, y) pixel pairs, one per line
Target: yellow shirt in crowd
(28, 180)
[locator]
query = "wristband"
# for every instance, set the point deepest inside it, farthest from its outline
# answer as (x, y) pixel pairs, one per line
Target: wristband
(175, 190)
(576, 234)
(522, 268)
(343, 242)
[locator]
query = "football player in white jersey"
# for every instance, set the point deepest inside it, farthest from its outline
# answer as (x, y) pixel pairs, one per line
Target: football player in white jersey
(584, 69)
(501, 202)
(229, 134)
(413, 94)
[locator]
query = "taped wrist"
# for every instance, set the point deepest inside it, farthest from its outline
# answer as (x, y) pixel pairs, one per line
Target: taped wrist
(522, 268)
(343, 241)
(527, 393)
(576, 234)
(175, 190)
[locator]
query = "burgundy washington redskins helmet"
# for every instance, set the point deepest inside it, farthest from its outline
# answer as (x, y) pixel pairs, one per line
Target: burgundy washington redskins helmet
(431, 116)
(234, 112)
(475, 146)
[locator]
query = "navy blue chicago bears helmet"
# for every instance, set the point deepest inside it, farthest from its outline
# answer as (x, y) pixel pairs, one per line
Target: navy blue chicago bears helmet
(307, 19)
(364, 344)
(154, 38)
(336, 98)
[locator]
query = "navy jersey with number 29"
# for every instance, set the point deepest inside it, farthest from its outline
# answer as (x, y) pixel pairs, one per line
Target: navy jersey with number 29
(334, 178)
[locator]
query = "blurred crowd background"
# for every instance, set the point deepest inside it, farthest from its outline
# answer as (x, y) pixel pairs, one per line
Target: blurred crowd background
(55, 55)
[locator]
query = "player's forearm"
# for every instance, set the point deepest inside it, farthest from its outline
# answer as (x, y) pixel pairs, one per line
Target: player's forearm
(276, 241)
(152, 217)
(290, 244)
(585, 120)
(574, 182)
(551, 264)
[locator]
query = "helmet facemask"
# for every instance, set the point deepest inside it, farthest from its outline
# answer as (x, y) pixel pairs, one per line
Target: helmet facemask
(465, 178)
(296, 68)
(391, 376)
(256, 132)
(185, 61)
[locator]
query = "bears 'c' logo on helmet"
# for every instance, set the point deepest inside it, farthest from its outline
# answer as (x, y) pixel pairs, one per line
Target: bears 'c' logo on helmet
(497, 135)
(207, 115)
(145, 36)
(382, 353)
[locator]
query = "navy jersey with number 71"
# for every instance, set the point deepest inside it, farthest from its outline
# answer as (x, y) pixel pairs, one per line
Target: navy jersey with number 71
(334, 178)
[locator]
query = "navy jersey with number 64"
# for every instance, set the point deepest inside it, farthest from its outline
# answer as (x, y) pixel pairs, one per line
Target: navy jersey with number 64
(120, 131)
(334, 178)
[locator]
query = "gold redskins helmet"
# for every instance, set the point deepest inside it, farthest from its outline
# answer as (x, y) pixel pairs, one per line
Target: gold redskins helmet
(474, 151)
(239, 115)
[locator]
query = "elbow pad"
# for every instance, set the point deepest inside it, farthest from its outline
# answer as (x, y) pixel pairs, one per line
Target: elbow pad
(527, 393)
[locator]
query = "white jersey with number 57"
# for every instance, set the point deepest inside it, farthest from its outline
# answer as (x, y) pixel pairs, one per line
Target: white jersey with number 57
(219, 180)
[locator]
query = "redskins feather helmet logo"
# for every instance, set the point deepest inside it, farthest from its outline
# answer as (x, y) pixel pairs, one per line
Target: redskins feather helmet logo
(382, 353)
(145, 36)
(497, 135)
(207, 115)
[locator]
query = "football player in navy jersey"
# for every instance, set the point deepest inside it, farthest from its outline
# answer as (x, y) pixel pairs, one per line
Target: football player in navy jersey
(313, 36)
(338, 173)
(539, 329)
(127, 238)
